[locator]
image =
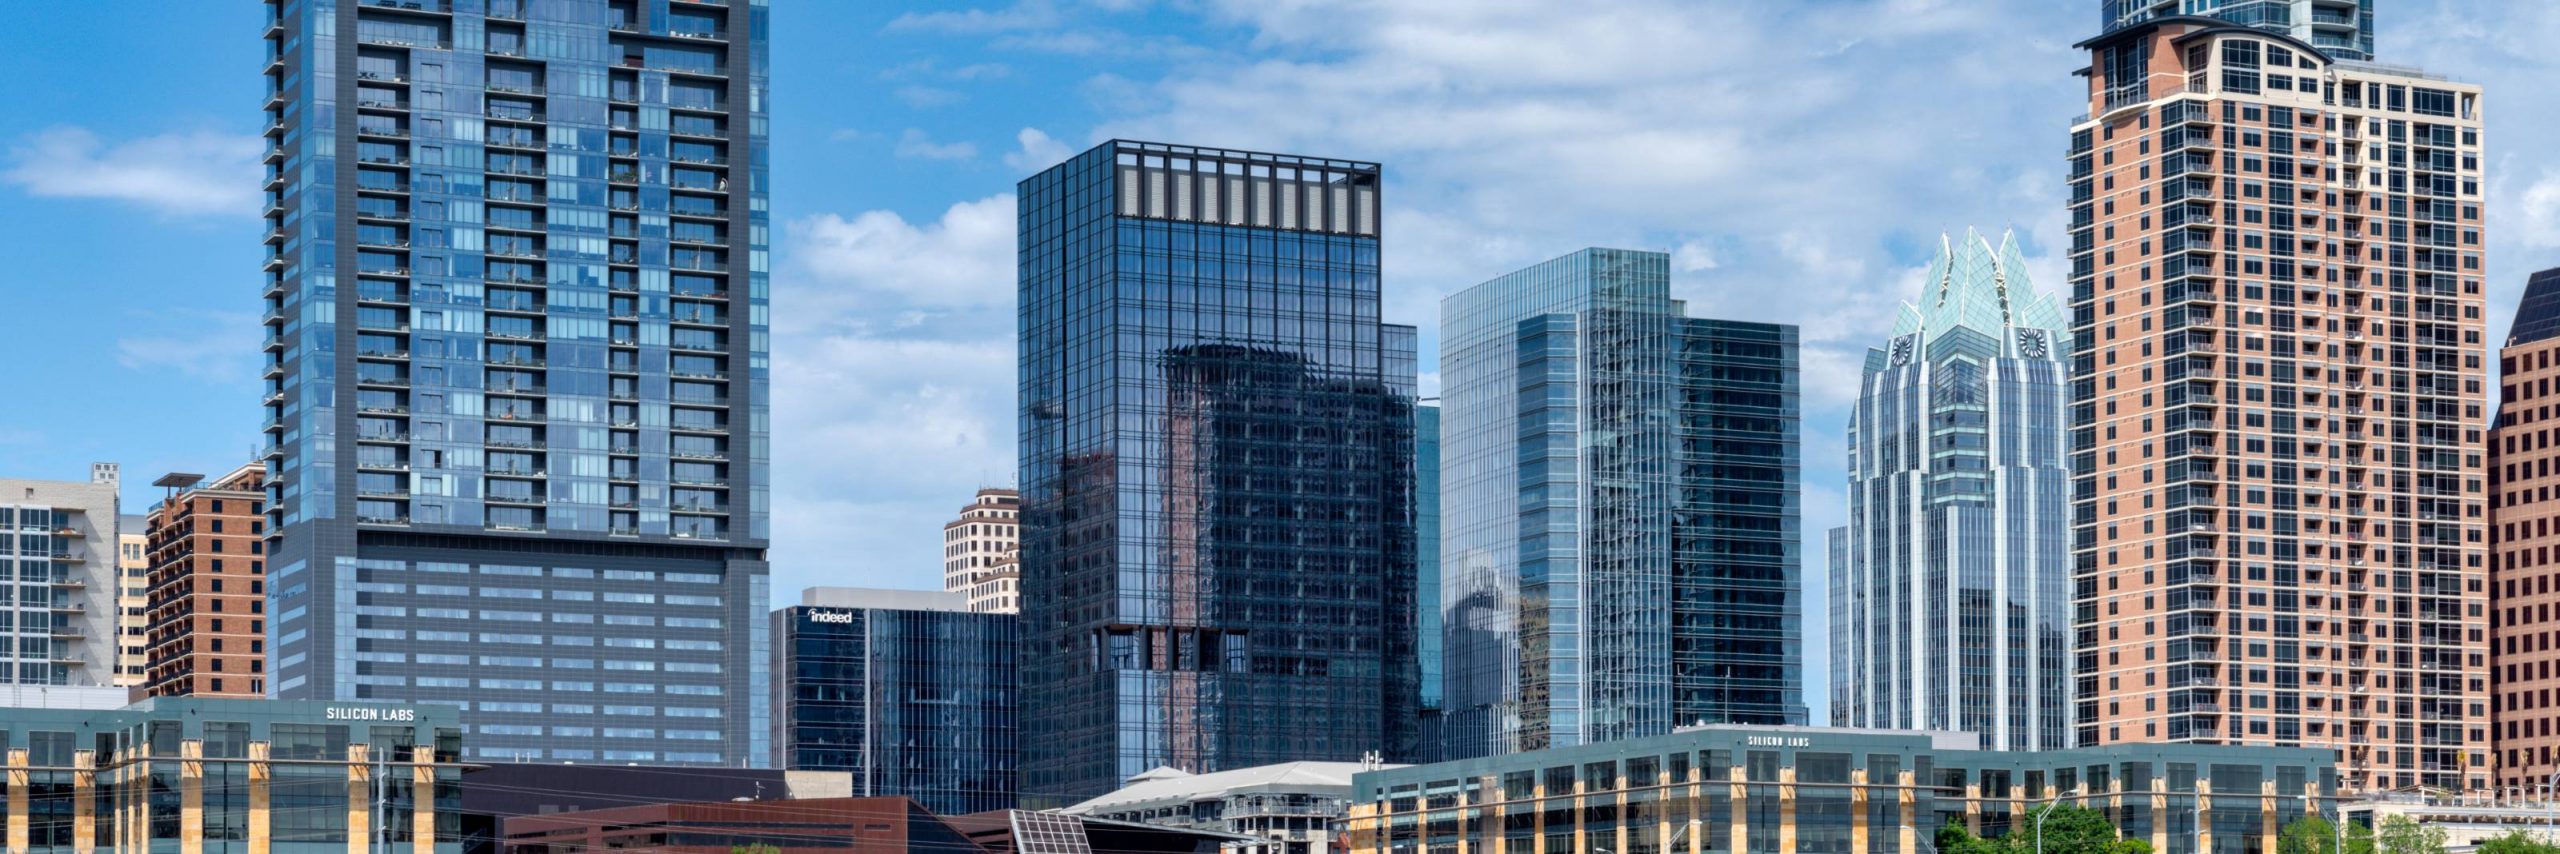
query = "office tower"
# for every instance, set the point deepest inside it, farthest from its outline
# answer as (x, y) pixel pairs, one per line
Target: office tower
(1217, 481)
(2524, 524)
(978, 552)
(516, 320)
(1426, 551)
(208, 584)
(1950, 582)
(2276, 404)
(906, 689)
(1619, 493)
(59, 540)
(2341, 29)
(133, 599)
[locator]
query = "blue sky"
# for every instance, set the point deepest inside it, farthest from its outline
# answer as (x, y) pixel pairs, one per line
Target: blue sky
(1798, 160)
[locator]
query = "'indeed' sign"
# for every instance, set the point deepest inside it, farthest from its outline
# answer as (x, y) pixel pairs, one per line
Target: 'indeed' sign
(845, 617)
(345, 713)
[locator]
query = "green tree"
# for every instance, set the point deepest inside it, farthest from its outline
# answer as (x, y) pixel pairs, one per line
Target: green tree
(2518, 842)
(2312, 834)
(2400, 835)
(2067, 830)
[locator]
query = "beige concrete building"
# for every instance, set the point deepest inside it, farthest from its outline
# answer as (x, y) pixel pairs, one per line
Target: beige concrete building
(2524, 528)
(58, 539)
(2279, 504)
(978, 552)
(133, 600)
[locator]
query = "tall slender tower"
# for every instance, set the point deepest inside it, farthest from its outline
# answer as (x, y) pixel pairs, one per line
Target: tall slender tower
(1950, 584)
(516, 321)
(1217, 469)
(2277, 403)
(2524, 524)
(1621, 494)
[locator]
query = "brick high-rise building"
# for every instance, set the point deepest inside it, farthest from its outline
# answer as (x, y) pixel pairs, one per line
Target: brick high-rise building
(2524, 528)
(208, 585)
(2277, 402)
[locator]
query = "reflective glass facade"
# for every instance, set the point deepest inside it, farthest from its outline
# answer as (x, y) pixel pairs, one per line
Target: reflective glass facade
(516, 323)
(1426, 532)
(1950, 584)
(2343, 29)
(1603, 456)
(1217, 481)
(916, 703)
(1797, 790)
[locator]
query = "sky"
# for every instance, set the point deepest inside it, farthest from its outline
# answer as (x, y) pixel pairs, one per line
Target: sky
(1797, 159)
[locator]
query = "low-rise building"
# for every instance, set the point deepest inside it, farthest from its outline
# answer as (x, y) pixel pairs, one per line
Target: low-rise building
(1782, 790)
(906, 689)
(881, 825)
(189, 775)
(1293, 804)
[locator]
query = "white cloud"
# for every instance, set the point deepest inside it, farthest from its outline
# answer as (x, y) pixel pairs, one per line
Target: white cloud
(177, 174)
(1036, 152)
(917, 145)
(221, 347)
(893, 387)
(927, 97)
(1025, 15)
(881, 262)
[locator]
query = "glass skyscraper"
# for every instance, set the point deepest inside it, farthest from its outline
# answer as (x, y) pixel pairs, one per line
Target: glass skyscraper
(1620, 515)
(908, 690)
(1217, 469)
(516, 320)
(2342, 29)
(1950, 583)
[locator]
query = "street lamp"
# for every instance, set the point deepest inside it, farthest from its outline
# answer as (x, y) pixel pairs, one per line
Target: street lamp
(2547, 801)
(2040, 814)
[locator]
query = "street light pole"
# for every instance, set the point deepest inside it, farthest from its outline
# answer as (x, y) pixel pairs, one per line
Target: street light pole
(2040, 814)
(2547, 804)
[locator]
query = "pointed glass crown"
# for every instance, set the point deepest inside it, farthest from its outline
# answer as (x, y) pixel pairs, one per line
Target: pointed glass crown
(1975, 286)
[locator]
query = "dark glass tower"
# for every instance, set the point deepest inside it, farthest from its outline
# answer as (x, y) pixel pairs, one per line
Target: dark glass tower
(2342, 29)
(515, 380)
(906, 689)
(1218, 544)
(1620, 488)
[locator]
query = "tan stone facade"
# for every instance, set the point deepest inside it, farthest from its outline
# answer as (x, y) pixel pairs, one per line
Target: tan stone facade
(2279, 494)
(207, 633)
(2524, 526)
(133, 600)
(978, 552)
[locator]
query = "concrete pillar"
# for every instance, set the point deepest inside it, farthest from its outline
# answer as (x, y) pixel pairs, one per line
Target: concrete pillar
(84, 801)
(1786, 811)
(359, 797)
(190, 797)
(1858, 811)
(422, 797)
(1734, 785)
(1909, 795)
(261, 829)
(18, 786)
